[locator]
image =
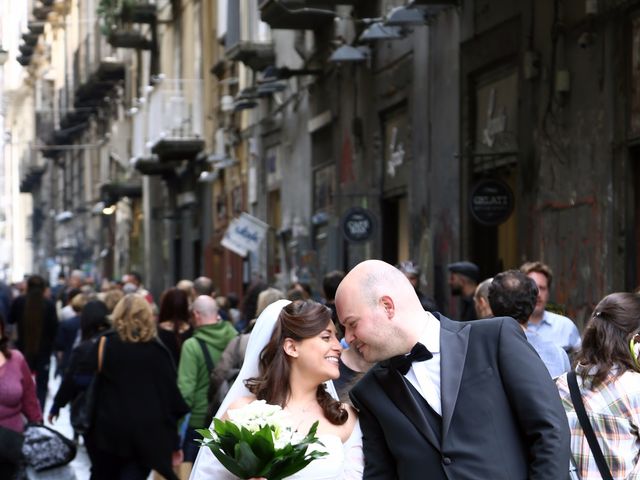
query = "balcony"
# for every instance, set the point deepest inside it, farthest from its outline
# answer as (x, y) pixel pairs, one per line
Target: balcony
(247, 40)
(129, 39)
(75, 117)
(26, 50)
(30, 39)
(31, 180)
(256, 56)
(152, 166)
(95, 72)
(111, 192)
(100, 83)
(138, 13)
(118, 21)
(41, 11)
(37, 28)
(175, 120)
(287, 14)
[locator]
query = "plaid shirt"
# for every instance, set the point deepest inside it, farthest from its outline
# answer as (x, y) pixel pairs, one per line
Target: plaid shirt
(614, 411)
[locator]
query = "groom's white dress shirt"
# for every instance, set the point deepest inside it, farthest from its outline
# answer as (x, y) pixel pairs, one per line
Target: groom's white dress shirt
(425, 376)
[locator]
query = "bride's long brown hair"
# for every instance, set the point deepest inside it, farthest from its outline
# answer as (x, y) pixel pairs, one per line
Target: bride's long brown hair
(298, 320)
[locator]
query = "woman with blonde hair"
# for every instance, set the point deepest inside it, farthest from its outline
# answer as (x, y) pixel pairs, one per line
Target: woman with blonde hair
(139, 404)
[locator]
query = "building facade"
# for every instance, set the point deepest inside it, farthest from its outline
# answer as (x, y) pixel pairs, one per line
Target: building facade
(422, 130)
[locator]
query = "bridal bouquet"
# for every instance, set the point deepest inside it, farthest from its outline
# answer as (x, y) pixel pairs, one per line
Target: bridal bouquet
(257, 441)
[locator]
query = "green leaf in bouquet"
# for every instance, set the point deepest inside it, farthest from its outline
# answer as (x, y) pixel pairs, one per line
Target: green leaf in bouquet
(247, 460)
(262, 444)
(228, 435)
(205, 433)
(226, 428)
(285, 467)
(228, 462)
(311, 435)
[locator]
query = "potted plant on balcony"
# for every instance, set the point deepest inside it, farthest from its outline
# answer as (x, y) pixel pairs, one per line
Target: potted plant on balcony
(110, 14)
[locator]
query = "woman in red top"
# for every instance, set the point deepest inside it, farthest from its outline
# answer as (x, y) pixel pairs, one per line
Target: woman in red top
(17, 395)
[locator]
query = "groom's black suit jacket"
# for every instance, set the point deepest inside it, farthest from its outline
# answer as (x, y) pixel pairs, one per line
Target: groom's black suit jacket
(501, 413)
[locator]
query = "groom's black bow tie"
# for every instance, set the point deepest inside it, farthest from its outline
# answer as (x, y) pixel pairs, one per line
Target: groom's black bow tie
(419, 353)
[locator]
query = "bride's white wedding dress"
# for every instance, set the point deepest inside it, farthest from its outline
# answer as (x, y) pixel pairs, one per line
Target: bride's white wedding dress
(344, 461)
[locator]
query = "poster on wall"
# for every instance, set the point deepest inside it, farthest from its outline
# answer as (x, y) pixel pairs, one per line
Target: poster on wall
(496, 121)
(324, 188)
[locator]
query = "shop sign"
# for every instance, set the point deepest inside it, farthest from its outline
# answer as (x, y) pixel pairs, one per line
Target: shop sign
(491, 202)
(357, 224)
(244, 234)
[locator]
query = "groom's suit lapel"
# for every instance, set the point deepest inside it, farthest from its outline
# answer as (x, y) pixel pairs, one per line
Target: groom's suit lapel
(395, 386)
(454, 341)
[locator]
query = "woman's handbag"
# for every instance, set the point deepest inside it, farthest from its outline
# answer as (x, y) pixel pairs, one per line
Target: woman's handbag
(45, 448)
(10, 446)
(84, 406)
(578, 405)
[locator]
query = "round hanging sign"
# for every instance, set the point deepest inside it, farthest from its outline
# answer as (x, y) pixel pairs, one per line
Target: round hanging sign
(491, 202)
(357, 224)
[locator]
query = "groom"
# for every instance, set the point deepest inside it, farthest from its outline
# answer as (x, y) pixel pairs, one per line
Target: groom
(476, 403)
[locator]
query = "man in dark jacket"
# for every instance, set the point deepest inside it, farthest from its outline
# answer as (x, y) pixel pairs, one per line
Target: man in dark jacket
(448, 399)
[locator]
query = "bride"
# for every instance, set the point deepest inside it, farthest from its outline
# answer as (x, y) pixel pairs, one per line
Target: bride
(292, 351)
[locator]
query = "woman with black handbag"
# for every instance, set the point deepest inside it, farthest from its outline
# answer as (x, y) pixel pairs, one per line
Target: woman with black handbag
(81, 368)
(17, 399)
(602, 395)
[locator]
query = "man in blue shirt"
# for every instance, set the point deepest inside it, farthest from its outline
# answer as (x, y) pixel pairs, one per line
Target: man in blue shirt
(513, 294)
(549, 326)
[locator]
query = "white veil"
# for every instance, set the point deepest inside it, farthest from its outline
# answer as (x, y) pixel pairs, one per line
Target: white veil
(260, 336)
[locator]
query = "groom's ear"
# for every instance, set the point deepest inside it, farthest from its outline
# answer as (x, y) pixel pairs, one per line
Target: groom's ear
(387, 303)
(290, 347)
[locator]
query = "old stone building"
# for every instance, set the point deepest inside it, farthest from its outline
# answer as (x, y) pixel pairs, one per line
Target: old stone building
(431, 130)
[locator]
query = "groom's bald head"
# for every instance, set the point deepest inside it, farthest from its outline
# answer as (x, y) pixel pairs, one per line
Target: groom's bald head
(379, 309)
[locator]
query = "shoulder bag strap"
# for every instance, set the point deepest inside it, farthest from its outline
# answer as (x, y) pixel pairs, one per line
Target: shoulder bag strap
(207, 355)
(578, 405)
(101, 345)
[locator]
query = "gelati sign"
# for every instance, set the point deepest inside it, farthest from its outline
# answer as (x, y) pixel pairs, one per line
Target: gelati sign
(491, 202)
(357, 224)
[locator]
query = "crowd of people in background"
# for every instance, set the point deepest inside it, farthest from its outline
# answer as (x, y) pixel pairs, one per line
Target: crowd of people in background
(189, 345)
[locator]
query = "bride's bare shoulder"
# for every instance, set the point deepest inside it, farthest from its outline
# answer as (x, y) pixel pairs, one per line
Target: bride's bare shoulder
(238, 403)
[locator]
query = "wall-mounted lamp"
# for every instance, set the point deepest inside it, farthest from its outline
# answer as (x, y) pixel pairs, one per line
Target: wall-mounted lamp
(208, 177)
(379, 31)
(246, 99)
(348, 54)
(268, 89)
(406, 17)
(110, 210)
(273, 73)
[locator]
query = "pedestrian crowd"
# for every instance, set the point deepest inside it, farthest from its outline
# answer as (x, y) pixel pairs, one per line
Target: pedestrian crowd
(399, 390)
